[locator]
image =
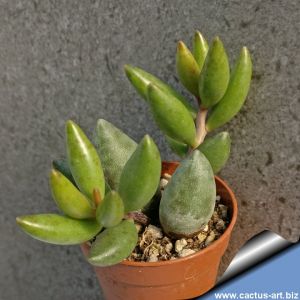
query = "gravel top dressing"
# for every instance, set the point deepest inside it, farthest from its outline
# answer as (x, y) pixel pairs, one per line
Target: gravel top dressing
(153, 245)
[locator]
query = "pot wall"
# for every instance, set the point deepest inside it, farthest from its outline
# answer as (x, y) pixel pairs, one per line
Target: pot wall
(182, 278)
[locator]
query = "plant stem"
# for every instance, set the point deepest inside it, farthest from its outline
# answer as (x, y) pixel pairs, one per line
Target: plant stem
(200, 126)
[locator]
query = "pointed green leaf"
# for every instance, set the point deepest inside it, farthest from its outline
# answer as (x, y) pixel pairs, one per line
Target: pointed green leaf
(236, 93)
(171, 116)
(200, 49)
(187, 69)
(216, 149)
(188, 200)
(60, 230)
(215, 75)
(180, 149)
(113, 244)
(62, 166)
(84, 161)
(140, 79)
(114, 148)
(110, 211)
(68, 198)
(140, 176)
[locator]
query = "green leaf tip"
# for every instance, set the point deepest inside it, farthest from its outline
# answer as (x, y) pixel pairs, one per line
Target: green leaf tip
(236, 92)
(215, 75)
(114, 148)
(187, 68)
(83, 160)
(200, 49)
(110, 211)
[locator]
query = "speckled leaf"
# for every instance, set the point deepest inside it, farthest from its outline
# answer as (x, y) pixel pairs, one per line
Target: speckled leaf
(215, 75)
(188, 200)
(111, 210)
(140, 79)
(217, 150)
(200, 49)
(140, 176)
(113, 244)
(236, 93)
(84, 161)
(62, 166)
(179, 148)
(60, 230)
(171, 116)
(187, 69)
(114, 148)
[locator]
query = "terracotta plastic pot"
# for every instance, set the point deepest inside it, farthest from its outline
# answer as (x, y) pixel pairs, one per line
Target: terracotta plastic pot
(183, 278)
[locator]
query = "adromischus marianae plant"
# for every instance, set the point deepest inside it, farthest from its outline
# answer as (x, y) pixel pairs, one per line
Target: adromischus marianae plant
(102, 190)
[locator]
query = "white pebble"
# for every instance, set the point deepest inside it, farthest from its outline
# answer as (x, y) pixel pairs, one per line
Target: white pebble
(223, 210)
(152, 258)
(155, 232)
(201, 237)
(168, 248)
(186, 252)
(210, 238)
(163, 183)
(205, 229)
(180, 244)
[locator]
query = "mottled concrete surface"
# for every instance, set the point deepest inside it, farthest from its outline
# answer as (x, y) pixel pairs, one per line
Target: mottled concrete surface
(63, 59)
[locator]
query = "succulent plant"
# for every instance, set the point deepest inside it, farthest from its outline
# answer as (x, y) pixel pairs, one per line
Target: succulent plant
(103, 190)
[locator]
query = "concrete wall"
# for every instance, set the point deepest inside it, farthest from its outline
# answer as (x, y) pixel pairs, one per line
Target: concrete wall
(63, 59)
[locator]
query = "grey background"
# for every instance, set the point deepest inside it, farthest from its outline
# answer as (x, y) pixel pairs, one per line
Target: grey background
(63, 59)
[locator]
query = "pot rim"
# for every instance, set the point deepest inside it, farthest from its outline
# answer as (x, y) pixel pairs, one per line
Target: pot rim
(201, 252)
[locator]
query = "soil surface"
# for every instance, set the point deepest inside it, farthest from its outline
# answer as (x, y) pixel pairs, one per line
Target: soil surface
(153, 245)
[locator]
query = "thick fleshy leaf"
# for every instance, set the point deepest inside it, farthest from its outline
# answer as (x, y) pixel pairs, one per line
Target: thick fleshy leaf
(114, 148)
(215, 75)
(171, 116)
(140, 79)
(68, 198)
(110, 211)
(140, 176)
(84, 161)
(60, 230)
(179, 148)
(217, 150)
(188, 200)
(236, 93)
(113, 244)
(187, 69)
(62, 166)
(200, 49)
